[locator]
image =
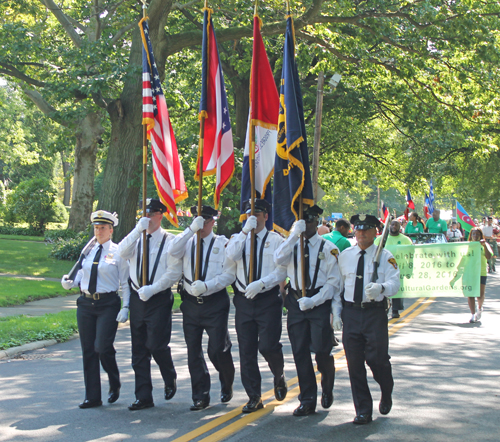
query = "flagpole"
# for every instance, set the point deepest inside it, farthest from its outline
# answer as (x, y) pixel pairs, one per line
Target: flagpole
(145, 270)
(251, 143)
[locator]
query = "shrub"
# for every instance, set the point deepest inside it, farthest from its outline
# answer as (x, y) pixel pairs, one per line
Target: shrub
(61, 213)
(69, 249)
(33, 202)
(20, 231)
(3, 197)
(53, 236)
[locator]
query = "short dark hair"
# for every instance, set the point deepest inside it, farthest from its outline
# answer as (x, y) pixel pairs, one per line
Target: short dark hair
(342, 223)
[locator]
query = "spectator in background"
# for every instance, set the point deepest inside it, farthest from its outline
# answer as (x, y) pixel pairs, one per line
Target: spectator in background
(415, 224)
(323, 229)
(339, 235)
(489, 236)
(453, 234)
(435, 224)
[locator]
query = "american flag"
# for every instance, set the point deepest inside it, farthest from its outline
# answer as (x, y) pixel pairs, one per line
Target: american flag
(218, 151)
(167, 169)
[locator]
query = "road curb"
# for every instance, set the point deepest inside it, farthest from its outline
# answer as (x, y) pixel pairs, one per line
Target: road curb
(14, 351)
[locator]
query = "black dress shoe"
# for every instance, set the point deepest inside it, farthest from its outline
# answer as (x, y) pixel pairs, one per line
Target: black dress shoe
(200, 404)
(280, 388)
(170, 390)
(385, 406)
(90, 404)
(140, 405)
(362, 419)
(326, 400)
(395, 315)
(226, 396)
(254, 404)
(113, 395)
(304, 410)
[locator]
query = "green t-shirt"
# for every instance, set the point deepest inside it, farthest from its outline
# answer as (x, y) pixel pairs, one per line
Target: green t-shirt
(395, 240)
(419, 228)
(338, 239)
(438, 226)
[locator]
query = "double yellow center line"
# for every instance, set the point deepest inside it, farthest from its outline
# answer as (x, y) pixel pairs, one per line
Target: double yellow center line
(242, 420)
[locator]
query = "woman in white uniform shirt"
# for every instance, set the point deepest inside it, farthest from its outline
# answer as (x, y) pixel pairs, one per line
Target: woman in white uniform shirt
(102, 275)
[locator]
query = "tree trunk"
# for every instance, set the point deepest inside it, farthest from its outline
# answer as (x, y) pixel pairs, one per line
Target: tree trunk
(87, 138)
(67, 181)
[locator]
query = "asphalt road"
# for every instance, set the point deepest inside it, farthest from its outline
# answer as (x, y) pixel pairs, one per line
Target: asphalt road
(446, 372)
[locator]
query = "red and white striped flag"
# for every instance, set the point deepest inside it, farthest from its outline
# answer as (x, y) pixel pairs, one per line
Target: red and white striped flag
(167, 169)
(218, 151)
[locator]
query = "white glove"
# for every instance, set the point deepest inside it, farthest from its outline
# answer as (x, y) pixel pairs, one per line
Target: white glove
(122, 315)
(198, 288)
(250, 224)
(145, 292)
(66, 283)
(197, 224)
(306, 303)
(298, 228)
(337, 323)
(253, 289)
(143, 224)
(372, 290)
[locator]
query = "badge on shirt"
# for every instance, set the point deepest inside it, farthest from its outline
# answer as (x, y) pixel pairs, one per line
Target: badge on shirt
(321, 255)
(267, 244)
(334, 252)
(393, 262)
(215, 250)
(110, 255)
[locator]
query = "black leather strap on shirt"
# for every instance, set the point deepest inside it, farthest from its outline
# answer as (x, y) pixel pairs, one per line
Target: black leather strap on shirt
(261, 254)
(204, 269)
(158, 256)
(316, 270)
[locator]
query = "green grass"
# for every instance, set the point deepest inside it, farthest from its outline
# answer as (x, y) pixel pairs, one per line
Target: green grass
(30, 258)
(22, 238)
(17, 291)
(19, 330)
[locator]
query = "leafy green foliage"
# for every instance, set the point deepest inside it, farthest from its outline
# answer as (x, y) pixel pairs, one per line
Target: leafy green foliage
(69, 248)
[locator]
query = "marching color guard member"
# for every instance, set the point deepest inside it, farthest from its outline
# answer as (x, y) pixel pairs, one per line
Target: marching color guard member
(365, 335)
(258, 305)
(102, 275)
(308, 324)
(151, 304)
(205, 305)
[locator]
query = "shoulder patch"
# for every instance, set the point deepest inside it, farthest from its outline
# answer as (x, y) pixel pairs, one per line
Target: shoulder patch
(393, 262)
(334, 252)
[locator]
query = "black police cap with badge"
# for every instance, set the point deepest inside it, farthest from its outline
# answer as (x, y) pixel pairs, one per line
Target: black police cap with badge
(207, 212)
(154, 205)
(312, 212)
(364, 222)
(260, 206)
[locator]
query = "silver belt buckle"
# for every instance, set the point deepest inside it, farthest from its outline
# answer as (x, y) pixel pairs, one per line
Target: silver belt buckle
(199, 300)
(96, 296)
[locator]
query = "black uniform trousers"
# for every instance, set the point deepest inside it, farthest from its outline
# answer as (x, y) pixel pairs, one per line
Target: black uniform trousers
(311, 331)
(258, 326)
(212, 317)
(397, 304)
(365, 338)
(97, 328)
(151, 327)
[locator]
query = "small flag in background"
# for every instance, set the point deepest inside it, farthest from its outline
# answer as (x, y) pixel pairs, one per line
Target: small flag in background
(431, 199)
(409, 205)
(385, 212)
(464, 219)
(263, 120)
(218, 151)
(167, 169)
(427, 213)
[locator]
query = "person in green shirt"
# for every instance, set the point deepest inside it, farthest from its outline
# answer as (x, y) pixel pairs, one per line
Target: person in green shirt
(339, 235)
(436, 225)
(415, 224)
(395, 238)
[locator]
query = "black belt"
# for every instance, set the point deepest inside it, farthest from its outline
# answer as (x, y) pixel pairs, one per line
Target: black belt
(297, 294)
(97, 296)
(365, 305)
(199, 300)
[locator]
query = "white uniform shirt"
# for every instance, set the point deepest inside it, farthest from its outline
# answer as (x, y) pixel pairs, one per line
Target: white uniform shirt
(112, 272)
(271, 273)
(169, 268)
(328, 273)
(453, 234)
(487, 230)
(220, 272)
(388, 272)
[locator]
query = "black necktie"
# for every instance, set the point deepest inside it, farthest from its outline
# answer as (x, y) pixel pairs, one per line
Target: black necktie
(148, 237)
(93, 271)
(255, 262)
(201, 260)
(306, 256)
(360, 272)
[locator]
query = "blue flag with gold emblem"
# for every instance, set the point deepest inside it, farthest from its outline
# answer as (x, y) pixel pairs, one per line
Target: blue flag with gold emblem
(292, 175)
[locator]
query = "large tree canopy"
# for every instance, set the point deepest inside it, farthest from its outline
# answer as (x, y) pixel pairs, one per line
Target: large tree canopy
(417, 97)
